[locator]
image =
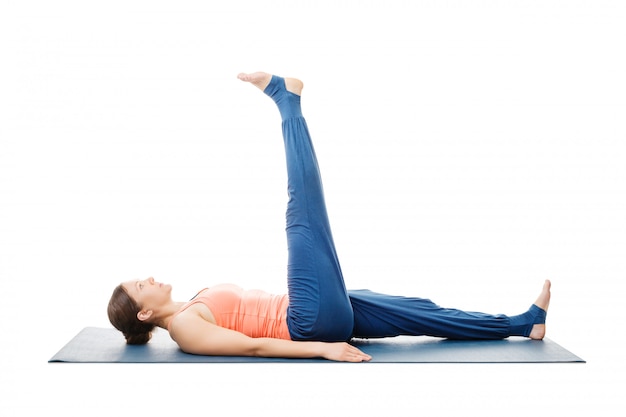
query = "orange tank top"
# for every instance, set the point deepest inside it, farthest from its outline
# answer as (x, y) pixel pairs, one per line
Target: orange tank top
(254, 313)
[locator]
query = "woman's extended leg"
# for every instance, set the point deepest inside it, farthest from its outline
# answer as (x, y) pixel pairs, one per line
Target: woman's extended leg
(380, 315)
(319, 307)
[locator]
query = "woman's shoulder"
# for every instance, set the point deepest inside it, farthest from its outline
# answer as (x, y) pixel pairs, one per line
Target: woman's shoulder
(191, 314)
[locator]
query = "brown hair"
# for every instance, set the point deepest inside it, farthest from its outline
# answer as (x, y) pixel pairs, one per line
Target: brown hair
(122, 312)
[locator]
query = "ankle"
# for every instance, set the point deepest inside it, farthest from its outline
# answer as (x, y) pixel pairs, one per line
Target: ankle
(524, 324)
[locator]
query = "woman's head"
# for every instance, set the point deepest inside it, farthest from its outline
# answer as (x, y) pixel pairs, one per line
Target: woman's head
(136, 307)
(123, 314)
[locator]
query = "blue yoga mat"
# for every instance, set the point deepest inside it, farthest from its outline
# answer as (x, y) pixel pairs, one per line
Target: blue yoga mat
(107, 345)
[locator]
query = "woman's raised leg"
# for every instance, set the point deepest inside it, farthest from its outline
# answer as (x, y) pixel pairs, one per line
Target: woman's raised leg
(319, 307)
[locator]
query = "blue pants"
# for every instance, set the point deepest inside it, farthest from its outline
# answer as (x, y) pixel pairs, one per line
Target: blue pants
(320, 307)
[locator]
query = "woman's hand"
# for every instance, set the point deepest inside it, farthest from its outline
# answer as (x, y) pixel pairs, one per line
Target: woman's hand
(343, 352)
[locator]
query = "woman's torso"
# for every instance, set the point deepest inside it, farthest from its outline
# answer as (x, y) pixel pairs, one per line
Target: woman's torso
(254, 313)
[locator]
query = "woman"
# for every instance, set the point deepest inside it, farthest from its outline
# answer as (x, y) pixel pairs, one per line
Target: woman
(318, 315)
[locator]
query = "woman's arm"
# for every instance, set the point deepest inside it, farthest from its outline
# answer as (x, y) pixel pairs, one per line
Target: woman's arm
(197, 336)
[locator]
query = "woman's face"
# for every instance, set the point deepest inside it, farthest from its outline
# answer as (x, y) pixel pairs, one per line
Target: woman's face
(148, 293)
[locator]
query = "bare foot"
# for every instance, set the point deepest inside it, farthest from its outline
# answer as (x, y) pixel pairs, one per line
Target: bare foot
(543, 301)
(262, 79)
(258, 79)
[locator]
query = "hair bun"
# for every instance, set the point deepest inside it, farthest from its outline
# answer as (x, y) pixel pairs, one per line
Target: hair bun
(138, 338)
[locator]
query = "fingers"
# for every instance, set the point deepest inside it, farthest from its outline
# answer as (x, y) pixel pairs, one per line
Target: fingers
(345, 352)
(356, 355)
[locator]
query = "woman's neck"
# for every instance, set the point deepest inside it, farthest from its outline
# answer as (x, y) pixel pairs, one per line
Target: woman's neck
(168, 313)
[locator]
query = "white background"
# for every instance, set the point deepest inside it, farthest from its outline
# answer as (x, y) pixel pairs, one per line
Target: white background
(469, 151)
